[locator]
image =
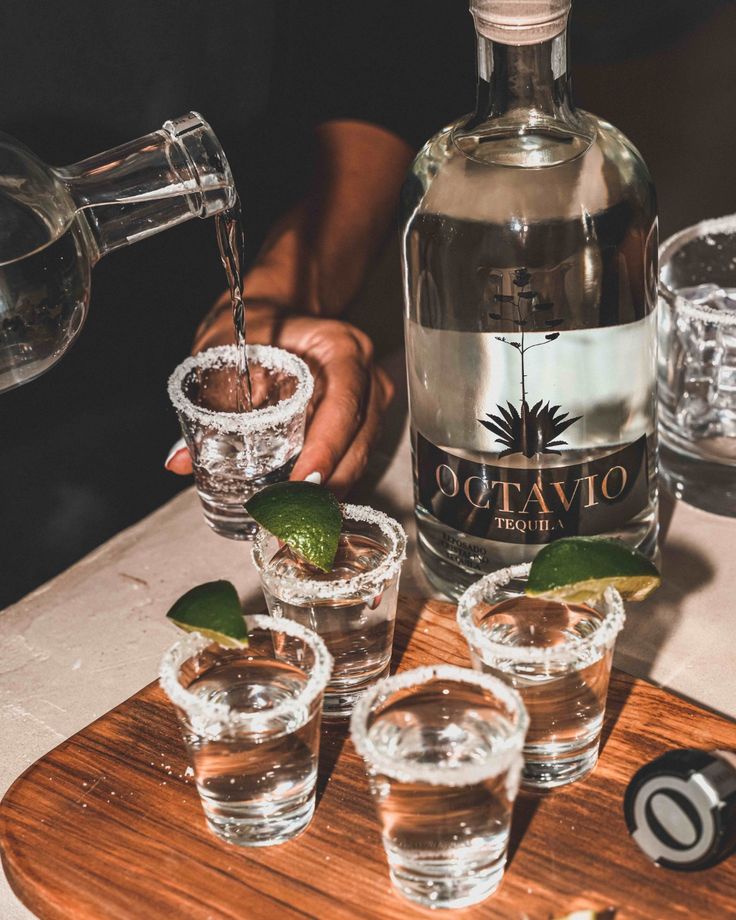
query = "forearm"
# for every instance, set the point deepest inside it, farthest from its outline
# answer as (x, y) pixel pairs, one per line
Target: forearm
(315, 257)
(321, 250)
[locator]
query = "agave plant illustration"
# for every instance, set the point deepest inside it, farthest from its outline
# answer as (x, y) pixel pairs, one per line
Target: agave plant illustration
(536, 429)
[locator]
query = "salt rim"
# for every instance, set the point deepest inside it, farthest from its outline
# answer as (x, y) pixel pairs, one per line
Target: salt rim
(508, 754)
(567, 652)
(292, 590)
(211, 718)
(668, 249)
(267, 356)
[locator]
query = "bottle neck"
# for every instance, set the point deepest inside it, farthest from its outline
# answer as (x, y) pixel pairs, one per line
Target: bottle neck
(520, 85)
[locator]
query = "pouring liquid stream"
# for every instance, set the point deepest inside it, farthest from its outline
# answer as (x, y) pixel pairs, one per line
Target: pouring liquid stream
(231, 243)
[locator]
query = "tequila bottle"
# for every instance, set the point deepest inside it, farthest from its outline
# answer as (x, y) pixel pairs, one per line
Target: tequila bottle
(529, 254)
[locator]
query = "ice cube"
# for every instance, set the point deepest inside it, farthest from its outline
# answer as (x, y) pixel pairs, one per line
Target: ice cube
(710, 295)
(729, 301)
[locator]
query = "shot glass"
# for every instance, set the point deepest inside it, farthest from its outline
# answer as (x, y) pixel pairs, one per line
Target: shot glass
(557, 656)
(353, 607)
(697, 365)
(250, 718)
(442, 749)
(235, 453)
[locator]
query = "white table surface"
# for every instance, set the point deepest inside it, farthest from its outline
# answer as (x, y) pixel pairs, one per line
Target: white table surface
(94, 635)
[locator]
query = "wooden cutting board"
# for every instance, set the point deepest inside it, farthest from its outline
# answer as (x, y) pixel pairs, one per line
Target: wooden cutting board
(108, 825)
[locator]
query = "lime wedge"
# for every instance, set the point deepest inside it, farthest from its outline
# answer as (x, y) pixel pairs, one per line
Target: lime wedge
(579, 569)
(212, 609)
(304, 515)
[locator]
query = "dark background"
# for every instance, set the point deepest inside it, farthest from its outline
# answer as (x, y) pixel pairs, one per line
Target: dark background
(82, 448)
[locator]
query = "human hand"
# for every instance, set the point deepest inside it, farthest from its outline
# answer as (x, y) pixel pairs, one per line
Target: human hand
(350, 393)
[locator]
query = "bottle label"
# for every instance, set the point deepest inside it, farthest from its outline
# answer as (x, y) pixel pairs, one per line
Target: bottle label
(533, 505)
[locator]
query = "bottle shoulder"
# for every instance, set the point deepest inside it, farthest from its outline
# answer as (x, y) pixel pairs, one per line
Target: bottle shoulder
(467, 180)
(619, 149)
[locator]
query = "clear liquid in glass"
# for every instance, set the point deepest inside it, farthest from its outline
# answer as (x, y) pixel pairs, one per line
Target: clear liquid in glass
(257, 789)
(44, 292)
(565, 701)
(446, 842)
(358, 632)
(230, 466)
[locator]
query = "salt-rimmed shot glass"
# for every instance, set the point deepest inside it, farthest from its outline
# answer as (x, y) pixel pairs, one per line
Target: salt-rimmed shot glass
(235, 453)
(250, 718)
(352, 607)
(557, 656)
(442, 748)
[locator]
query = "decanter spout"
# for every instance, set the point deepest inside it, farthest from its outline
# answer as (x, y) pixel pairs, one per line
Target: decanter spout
(150, 184)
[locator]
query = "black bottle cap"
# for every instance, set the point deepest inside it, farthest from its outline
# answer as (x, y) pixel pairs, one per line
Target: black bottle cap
(681, 808)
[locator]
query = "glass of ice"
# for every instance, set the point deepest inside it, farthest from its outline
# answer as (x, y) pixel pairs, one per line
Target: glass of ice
(235, 453)
(557, 656)
(250, 718)
(352, 607)
(442, 748)
(697, 364)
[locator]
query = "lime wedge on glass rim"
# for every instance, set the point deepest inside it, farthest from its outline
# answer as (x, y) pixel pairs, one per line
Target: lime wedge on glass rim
(579, 569)
(303, 515)
(212, 609)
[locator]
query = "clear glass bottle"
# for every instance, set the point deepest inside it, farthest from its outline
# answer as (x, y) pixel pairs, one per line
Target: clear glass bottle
(55, 224)
(529, 250)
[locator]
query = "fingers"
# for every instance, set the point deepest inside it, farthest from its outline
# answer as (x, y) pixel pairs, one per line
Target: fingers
(344, 427)
(349, 400)
(178, 460)
(345, 385)
(355, 459)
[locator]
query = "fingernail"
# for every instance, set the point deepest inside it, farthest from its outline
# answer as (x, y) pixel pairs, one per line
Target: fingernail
(314, 477)
(181, 444)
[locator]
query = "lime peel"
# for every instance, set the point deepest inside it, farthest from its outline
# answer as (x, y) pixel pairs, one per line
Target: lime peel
(212, 609)
(631, 589)
(306, 516)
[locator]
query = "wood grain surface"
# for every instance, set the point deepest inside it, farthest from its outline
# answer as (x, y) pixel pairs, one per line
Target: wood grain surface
(107, 825)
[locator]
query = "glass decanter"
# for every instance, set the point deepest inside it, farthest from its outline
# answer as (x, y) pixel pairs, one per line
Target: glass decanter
(56, 223)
